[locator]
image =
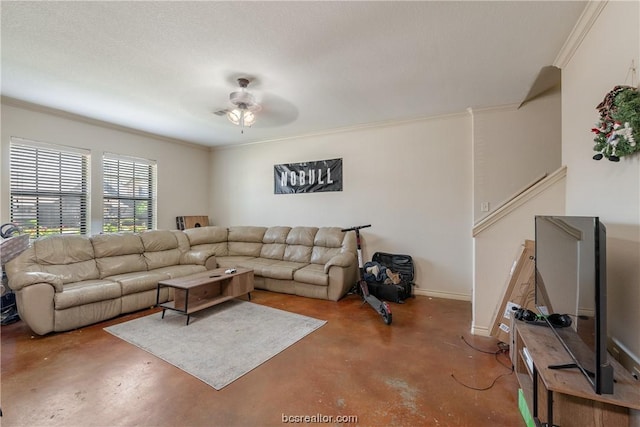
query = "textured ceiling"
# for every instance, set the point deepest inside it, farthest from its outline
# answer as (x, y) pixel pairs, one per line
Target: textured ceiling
(165, 67)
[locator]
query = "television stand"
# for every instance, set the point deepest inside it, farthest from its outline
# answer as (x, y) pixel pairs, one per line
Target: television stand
(574, 365)
(562, 396)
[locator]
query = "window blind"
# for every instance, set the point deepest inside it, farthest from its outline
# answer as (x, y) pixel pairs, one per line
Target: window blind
(49, 188)
(129, 192)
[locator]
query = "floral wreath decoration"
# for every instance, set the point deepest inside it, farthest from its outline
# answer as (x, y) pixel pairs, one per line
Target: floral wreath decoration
(618, 130)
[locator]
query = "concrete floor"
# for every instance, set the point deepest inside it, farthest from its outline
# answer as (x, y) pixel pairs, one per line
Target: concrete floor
(415, 372)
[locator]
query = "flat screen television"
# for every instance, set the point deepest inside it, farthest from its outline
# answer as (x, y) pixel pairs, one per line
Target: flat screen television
(571, 279)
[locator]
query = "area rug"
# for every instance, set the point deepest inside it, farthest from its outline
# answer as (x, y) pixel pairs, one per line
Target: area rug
(221, 343)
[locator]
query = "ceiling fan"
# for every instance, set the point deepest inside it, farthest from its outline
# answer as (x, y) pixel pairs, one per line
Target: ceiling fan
(245, 106)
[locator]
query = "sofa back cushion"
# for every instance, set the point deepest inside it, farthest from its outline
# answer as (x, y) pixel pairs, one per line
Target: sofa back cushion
(63, 249)
(112, 244)
(300, 244)
(245, 240)
(327, 243)
(210, 238)
(160, 248)
(118, 253)
(69, 256)
(207, 235)
(183, 241)
(274, 242)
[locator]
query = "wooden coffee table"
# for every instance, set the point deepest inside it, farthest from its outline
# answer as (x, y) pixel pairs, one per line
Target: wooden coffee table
(201, 290)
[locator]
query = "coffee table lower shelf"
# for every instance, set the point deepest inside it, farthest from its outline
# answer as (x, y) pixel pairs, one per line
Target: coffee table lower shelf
(203, 290)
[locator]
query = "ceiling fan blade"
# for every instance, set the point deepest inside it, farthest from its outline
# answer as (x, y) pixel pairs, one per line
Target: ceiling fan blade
(275, 111)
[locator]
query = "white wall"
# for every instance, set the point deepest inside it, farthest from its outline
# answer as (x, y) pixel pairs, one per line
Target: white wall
(183, 169)
(606, 189)
(411, 181)
(496, 247)
(514, 146)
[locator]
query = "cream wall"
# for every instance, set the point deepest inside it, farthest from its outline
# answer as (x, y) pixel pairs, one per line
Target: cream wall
(183, 170)
(411, 181)
(609, 190)
(512, 147)
(498, 244)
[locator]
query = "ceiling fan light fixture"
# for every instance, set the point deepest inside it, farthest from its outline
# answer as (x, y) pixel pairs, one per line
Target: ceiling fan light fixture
(245, 106)
(241, 117)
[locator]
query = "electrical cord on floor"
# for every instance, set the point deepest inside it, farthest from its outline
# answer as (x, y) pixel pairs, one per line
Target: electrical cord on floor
(481, 388)
(501, 350)
(496, 353)
(481, 350)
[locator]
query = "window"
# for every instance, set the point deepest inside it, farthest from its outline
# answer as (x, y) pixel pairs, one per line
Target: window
(129, 193)
(49, 188)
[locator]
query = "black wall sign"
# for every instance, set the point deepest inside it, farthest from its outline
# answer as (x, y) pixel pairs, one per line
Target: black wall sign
(308, 177)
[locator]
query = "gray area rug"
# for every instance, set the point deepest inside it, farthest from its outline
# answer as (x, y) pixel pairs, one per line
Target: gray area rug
(221, 343)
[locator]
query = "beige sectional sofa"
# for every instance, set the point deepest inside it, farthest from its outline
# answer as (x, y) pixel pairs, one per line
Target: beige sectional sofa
(307, 261)
(64, 282)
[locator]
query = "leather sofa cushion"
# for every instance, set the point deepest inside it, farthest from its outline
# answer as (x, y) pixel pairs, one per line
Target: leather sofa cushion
(233, 261)
(63, 249)
(246, 234)
(113, 244)
(67, 256)
(245, 248)
(183, 240)
(313, 274)
(160, 248)
(297, 253)
(300, 244)
(245, 240)
(174, 271)
(210, 234)
(162, 258)
(330, 237)
(119, 253)
(273, 251)
(274, 242)
(158, 240)
(216, 249)
(110, 266)
(75, 272)
(281, 270)
(86, 292)
(256, 264)
(131, 283)
(276, 235)
(321, 254)
(327, 243)
(302, 236)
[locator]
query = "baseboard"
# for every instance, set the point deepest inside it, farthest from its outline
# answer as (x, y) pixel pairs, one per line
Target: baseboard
(440, 294)
(475, 330)
(481, 331)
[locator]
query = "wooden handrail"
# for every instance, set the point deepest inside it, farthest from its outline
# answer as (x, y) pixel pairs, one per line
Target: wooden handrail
(519, 198)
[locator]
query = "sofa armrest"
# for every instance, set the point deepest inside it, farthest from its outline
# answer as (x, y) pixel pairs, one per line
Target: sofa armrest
(198, 257)
(211, 263)
(344, 259)
(28, 278)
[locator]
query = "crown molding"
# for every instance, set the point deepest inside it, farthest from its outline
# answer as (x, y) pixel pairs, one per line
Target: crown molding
(347, 129)
(588, 17)
(26, 105)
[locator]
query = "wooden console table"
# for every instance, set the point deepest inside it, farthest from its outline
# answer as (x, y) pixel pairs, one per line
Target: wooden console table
(564, 397)
(202, 290)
